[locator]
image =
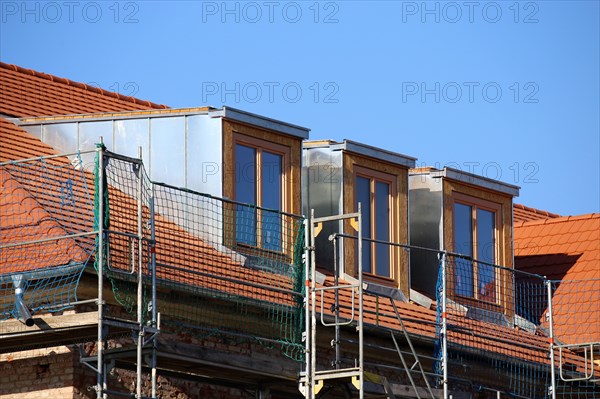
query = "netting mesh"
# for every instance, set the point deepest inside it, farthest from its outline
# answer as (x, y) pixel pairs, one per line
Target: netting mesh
(495, 338)
(126, 223)
(499, 332)
(221, 267)
(46, 233)
(576, 328)
(236, 270)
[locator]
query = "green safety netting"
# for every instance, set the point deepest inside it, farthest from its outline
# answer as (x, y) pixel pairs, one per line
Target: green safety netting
(498, 331)
(221, 267)
(46, 233)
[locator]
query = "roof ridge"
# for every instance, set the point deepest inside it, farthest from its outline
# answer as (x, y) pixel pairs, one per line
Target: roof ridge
(560, 219)
(93, 89)
(537, 211)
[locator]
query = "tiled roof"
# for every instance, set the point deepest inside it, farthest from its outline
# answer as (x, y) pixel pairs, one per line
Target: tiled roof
(211, 270)
(186, 261)
(179, 248)
(25, 220)
(23, 217)
(25, 92)
(196, 263)
(15, 143)
(524, 213)
(567, 249)
(463, 333)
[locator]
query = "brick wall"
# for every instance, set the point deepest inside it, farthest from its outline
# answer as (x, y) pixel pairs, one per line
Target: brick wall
(57, 373)
(40, 373)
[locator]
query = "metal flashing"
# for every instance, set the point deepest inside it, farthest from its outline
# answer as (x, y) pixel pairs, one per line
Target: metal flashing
(224, 112)
(261, 121)
(103, 116)
(365, 150)
(476, 180)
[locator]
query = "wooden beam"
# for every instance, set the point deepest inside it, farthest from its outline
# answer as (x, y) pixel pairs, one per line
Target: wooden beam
(47, 322)
(256, 363)
(48, 330)
(407, 391)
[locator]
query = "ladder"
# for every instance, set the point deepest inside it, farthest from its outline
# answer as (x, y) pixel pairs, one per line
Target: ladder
(417, 362)
(313, 379)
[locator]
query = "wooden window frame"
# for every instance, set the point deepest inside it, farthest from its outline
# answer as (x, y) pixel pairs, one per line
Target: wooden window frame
(391, 180)
(477, 203)
(263, 145)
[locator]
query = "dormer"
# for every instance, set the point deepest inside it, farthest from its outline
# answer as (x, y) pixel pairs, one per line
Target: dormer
(340, 175)
(224, 152)
(466, 214)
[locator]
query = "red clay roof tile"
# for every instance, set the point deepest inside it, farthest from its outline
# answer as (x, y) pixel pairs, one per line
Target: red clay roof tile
(25, 92)
(15, 143)
(524, 213)
(23, 220)
(175, 246)
(468, 334)
(566, 248)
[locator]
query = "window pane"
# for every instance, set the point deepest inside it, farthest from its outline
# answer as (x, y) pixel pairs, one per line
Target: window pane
(245, 191)
(382, 228)
(485, 236)
(463, 244)
(363, 195)
(486, 285)
(271, 195)
(271, 177)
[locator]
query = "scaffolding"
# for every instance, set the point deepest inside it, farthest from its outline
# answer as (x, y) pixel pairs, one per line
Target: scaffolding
(47, 235)
(181, 262)
(174, 260)
(495, 329)
(341, 304)
(575, 338)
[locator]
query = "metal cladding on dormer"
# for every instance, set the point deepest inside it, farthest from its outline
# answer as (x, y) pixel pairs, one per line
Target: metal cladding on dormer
(468, 178)
(182, 147)
(476, 180)
(260, 121)
(326, 164)
(428, 223)
(364, 150)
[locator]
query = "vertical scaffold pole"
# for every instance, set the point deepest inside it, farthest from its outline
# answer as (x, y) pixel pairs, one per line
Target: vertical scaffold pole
(313, 317)
(140, 296)
(153, 271)
(100, 257)
(360, 307)
(336, 282)
(551, 339)
(307, 290)
(444, 326)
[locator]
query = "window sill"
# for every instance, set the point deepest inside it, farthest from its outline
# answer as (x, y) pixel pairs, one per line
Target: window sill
(385, 281)
(479, 303)
(266, 260)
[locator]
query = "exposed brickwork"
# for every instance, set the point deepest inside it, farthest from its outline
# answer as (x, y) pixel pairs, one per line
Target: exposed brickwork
(57, 373)
(41, 373)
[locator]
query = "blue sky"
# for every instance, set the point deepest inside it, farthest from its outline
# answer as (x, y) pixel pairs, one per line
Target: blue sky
(505, 89)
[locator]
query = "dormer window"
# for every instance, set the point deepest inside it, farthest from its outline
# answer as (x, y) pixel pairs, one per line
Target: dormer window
(378, 180)
(259, 181)
(376, 191)
(475, 235)
(471, 215)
